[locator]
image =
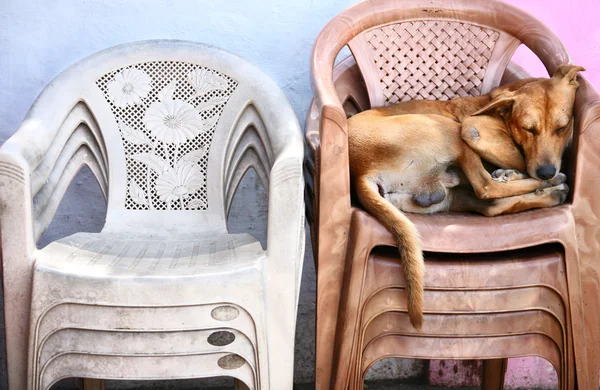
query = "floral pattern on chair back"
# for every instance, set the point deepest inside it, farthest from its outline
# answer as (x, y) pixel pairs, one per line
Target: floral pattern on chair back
(167, 113)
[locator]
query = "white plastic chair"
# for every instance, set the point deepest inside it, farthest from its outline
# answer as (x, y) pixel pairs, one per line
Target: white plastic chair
(169, 129)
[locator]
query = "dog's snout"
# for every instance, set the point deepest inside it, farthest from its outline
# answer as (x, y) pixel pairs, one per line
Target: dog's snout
(546, 171)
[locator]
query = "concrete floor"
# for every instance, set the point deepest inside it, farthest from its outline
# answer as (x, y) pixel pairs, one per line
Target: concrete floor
(393, 385)
(412, 384)
(379, 385)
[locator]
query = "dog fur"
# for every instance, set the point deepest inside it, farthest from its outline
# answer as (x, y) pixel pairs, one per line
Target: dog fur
(428, 156)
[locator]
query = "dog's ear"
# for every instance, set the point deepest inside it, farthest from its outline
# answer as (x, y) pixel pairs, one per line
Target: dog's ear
(568, 73)
(511, 87)
(502, 106)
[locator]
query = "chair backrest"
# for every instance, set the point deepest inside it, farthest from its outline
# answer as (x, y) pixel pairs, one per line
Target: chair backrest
(166, 113)
(429, 59)
(180, 124)
(440, 49)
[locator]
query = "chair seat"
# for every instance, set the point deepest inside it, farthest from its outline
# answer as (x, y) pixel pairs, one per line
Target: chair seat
(126, 254)
(446, 232)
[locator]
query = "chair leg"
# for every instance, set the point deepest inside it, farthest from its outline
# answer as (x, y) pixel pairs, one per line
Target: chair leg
(280, 330)
(92, 384)
(347, 347)
(590, 300)
(493, 374)
(346, 343)
(15, 323)
(239, 385)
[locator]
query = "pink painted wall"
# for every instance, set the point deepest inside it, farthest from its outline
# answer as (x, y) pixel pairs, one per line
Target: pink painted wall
(521, 373)
(530, 373)
(576, 23)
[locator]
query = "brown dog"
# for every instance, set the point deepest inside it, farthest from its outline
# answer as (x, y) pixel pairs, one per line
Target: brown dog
(412, 156)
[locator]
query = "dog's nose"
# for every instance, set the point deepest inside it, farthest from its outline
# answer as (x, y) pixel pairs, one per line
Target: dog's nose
(546, 172)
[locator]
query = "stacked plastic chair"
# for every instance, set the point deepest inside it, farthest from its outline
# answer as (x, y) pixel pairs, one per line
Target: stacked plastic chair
(478, 306)
(169, 128)
(487, 296)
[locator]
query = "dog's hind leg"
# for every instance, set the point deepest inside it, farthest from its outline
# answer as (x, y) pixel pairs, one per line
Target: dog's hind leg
(465, 200)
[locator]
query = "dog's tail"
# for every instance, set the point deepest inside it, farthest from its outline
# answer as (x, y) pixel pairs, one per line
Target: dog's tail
(409, 243)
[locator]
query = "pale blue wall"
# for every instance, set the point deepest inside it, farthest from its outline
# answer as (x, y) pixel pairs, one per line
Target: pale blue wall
(39, 39)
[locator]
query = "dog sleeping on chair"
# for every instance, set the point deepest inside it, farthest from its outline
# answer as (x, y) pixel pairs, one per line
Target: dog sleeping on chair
(428, 156)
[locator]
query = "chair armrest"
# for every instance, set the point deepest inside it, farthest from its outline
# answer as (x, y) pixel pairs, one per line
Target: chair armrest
(267, 137)
(332, 209)
(352, 95)
(353, 98)
(586, 143)
(53, 143)
(286, 222)
(285, 234)
(16, 217)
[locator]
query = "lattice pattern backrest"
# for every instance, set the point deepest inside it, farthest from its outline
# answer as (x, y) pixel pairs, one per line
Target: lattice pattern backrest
(430, 59)
(167, 113)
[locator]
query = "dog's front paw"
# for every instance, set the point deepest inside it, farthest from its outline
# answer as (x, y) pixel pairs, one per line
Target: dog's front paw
(506, 175)
(560, 193)
(558, 179)
(557, 193)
